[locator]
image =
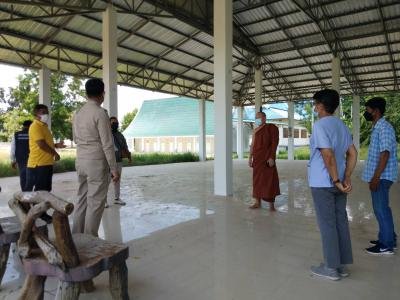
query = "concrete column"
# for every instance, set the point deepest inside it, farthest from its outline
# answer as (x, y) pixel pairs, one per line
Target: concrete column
(110, 61)
(291, 130)
(158, 146)
(356, 121)
(44, 89)
(175, 144)
(258, 88)
(239, 133)
(202, 131)
(223, 181)
(336, 80)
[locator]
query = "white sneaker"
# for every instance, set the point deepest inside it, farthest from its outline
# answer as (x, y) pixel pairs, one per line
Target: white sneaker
(119, 202)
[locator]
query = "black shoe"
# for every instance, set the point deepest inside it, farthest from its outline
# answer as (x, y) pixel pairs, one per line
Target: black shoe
(376, 242)
(377, 250)
(47, 218)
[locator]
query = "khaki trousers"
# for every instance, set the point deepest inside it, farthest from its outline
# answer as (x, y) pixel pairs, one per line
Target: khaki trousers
(117, 185)
(93, 179)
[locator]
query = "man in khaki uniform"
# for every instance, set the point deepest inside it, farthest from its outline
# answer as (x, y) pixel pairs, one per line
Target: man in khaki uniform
(95, 159)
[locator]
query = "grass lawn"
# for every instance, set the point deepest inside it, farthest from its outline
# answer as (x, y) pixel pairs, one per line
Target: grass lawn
(67, 161)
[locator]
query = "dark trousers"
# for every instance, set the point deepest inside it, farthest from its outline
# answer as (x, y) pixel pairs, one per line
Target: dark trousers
(330, 208)
(383, 214)
(22, 175)
(39, 178)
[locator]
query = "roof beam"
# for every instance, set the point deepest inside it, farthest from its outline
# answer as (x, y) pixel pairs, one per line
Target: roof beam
(80, 5)
(389, 48)
(205, 23)
(368, 7)
(326, 28)
(292, 41)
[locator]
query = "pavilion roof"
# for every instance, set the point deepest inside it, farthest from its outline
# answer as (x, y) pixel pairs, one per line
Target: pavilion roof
(168, 45)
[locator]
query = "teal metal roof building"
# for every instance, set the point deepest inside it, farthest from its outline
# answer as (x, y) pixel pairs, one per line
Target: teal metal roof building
(179, 116)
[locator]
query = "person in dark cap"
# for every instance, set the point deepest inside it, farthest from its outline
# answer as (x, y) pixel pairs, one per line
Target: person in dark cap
(20, 152)
(380, 171)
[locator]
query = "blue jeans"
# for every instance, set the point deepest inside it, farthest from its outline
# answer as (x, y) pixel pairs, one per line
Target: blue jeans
(383, 214)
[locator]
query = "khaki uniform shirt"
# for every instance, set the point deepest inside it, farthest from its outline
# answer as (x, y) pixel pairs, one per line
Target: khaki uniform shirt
(92, 134)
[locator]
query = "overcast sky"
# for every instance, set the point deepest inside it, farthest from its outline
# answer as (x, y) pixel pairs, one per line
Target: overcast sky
(129, 98)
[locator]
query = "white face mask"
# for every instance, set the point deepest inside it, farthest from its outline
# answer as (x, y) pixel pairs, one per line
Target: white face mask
(258, 122)
(44, 118)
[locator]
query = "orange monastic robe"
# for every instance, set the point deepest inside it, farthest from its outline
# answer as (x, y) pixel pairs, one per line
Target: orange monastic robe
(265, 178)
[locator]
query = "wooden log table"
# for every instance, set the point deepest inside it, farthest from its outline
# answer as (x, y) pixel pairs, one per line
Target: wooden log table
(10, 229)
(74, 259)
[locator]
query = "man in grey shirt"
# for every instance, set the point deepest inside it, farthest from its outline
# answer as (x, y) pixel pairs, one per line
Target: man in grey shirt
(95, 159)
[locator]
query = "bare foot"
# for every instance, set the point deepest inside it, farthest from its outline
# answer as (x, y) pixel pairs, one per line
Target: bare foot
(255, 206)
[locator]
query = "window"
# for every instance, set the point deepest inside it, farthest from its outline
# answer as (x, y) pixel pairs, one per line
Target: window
(304, 134)
(285, 132)
(296, 133)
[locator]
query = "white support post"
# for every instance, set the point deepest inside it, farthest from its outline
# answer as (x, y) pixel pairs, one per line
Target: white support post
(110, 61)
(175, 144)
(44, 89)
(223, 179)
(356, 121)
(291, 130)
(258, 88)
(336, 80)
(158, 145)
(239, 133)
(202, 133)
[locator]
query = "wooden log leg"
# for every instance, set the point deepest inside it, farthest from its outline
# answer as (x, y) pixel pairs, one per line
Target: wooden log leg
(4, 252)
(33, 288)
(18, 265)
(87, 286)
(119, 282)
(68, 290)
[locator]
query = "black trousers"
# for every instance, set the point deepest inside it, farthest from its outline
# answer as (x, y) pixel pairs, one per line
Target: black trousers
(22, 175)
(39, 178)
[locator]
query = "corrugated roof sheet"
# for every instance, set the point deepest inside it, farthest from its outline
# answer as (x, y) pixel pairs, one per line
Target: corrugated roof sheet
(286, 34)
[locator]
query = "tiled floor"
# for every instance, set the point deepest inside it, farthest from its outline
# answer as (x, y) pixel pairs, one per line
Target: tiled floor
(187, 244)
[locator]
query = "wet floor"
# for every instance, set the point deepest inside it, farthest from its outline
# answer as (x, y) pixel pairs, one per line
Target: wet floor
(186, 244)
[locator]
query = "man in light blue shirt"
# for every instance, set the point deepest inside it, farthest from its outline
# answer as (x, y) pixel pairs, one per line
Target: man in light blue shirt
(380, 171)
(332, 161)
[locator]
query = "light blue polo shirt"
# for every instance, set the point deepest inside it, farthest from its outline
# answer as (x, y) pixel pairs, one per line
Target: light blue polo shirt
(328, 132)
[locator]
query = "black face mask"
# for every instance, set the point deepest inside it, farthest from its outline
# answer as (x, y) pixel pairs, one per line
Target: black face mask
(368, 116)
(114, 126)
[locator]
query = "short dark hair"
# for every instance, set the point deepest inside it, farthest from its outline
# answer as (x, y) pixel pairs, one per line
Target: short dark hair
(94, 87)
(39, 107)
(328, 98)
(261, 112)
(113, 118)
(377, 103)
(27, 123)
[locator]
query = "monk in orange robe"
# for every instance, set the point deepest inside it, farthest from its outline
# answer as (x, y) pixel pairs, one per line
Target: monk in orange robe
(262, 160)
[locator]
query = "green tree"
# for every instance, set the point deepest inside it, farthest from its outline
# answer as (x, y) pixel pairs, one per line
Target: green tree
(305, 110)
(65, 93)
(128, 118)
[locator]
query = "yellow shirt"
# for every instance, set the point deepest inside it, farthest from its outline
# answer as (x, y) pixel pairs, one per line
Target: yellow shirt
(37, 157)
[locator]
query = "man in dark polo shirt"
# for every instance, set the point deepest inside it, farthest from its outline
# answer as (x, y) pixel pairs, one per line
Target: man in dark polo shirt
(20, 152)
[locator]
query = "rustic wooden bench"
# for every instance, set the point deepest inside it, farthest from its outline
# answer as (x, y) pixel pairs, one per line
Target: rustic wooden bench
(10, 229)
(72, 258)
